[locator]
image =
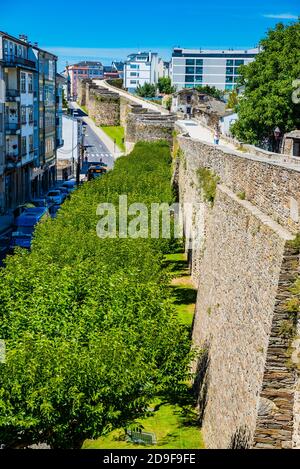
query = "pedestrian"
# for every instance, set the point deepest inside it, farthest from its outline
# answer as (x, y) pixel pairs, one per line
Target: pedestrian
(216, 135)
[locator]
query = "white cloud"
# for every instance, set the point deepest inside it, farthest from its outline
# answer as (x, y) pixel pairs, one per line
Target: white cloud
(282, 16)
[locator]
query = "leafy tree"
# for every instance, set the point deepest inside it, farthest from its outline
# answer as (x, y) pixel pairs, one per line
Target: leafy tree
(90, 331)
(164, 85)
(211, 91)
(268, 81)
(146, 90)
(232, 100)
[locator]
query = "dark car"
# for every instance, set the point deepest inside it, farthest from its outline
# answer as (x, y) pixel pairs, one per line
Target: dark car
(25, 225)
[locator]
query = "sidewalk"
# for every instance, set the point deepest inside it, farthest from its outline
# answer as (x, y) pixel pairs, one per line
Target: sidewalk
(108, 142)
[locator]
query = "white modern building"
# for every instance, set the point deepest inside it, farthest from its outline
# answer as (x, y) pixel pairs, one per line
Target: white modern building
(141, 68)
(219, 68)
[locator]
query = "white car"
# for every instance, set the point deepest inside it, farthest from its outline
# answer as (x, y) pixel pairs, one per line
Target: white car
(56, 197)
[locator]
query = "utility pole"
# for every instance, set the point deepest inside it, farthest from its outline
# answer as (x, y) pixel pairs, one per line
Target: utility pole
(80, 153)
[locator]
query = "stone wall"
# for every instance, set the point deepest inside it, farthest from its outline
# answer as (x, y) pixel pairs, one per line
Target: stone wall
(144, 125)
(104, 107)
(244, 266)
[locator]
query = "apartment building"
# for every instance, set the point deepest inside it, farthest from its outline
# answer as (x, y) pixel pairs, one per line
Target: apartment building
(85, 69)
(29, 89)
(141, 68)
(219, 68)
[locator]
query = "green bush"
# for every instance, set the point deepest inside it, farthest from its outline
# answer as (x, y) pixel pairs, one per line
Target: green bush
(208, 181)
(90, 330)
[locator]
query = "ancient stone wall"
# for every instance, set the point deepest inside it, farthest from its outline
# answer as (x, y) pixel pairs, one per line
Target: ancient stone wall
(104, 107)
(244, 266)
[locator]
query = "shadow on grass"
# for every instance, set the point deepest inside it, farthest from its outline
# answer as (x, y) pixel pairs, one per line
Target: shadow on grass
(184, 296)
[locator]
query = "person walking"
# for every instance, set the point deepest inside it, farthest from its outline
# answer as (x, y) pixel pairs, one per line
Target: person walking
(216, 135)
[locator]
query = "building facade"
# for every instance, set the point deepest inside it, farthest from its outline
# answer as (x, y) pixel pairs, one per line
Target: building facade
(218, 68)
(141, 68)
(86, 69)
(69, 155)
(28, 110)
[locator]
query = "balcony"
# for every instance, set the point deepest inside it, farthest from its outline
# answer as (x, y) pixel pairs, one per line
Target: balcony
(12, 94)
(12, 159)
(13, 60)
(12, 127)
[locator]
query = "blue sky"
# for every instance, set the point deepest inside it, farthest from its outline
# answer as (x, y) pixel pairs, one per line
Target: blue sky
(105, 30)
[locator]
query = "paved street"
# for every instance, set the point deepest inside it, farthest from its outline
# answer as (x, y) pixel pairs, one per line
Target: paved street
(96, 150)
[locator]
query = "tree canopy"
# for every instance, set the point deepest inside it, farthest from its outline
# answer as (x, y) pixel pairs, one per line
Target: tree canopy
(89, 325)
(211, 91)
(164, 85)
(268, 82)
(147, 90)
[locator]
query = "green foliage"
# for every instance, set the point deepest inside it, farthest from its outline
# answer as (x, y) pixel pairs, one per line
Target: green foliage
(268, 81)
(90, 329)
(232, 100)
(211, 91)
(117, 82)
(164, 85)
(168, 103)
(241, 195)
(146, 90)
(208, 181)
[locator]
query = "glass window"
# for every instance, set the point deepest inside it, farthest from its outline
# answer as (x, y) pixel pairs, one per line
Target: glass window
(133, 82)
(190, 70)
(23, 82)
(199, 70)
(199, 61)
(190, 62)
(229, 79)
(229, 63)
(229, 70)
(189, 86)
(198, 78)
(30, 143)
(23, 146)
(229, 87)
(189, 78)
(30, 114)
(134, 74)
(30, 88)
(237, 63)
(23, 115)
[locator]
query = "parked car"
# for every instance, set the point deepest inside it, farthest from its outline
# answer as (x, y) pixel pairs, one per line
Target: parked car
(64, 191)
(55, 196)
(25, 225)
(39, 202)
(70, 185)
(95, 171)
(21, 208)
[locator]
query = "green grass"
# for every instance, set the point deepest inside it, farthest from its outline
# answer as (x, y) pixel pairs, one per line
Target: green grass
(175, 426)
(174, 429)
(117, 133)
(183, 291)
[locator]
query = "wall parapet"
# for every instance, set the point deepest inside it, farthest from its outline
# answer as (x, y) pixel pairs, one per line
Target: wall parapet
(272, 186)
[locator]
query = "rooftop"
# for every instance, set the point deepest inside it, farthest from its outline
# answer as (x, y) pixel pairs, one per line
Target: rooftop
(178, 52)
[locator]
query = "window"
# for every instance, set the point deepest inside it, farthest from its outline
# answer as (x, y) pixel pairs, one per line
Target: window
(229, 63)
(135, 66)
(189, 78)
(30, 143)
(30, 114)
(229, 70)
(190, 62)
(23, 82)
(199, 70)
(228, 87)
(23, 115)
(23, 145)
(229, 79)
(198, 78)
(133, 82)
(30, 88)
(237, 63)
(190, 70)
(199, 61)
(134, 74)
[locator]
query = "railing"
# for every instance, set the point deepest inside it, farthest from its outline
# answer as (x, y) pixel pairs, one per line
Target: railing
(12, 125)
(12, 93)
(13, 59)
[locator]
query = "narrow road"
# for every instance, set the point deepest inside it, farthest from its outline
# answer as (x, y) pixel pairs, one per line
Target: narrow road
(96, 149)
